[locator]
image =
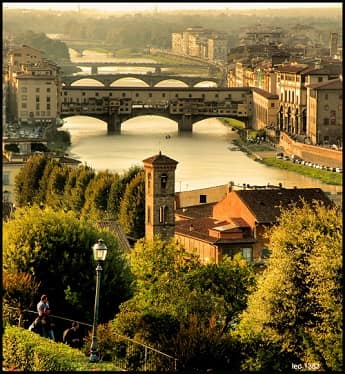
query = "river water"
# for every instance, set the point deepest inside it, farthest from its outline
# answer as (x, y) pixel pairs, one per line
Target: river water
(205, 157)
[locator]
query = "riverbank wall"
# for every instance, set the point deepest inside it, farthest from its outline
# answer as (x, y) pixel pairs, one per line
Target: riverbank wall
(311, 153)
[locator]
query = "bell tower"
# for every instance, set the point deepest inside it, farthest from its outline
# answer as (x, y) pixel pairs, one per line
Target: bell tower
(159, 196)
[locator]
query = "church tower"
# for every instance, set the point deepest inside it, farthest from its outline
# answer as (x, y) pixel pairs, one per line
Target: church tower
(159, 196)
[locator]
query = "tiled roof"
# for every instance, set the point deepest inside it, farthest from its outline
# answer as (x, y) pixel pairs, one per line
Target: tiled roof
(264, 93)
(160, 159)
(199, 229)
(116, 228)
(293, 68)
(333, 84)
(196, 211)
(266, 204)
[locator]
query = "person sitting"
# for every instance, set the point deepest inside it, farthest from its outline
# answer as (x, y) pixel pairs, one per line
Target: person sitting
(72, 337)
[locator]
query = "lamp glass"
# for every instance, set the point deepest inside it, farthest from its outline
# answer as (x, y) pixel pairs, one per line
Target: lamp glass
(100, 251)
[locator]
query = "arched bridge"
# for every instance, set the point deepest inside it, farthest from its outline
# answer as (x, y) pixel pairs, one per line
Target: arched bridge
(150, 79)
(186, 106)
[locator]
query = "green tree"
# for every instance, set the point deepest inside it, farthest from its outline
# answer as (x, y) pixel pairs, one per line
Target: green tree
(132, 209)
(296, 313)
(55, 247)
(79, 179)
(56, 186)
(200, 301)
(27, 181)
(96, 196)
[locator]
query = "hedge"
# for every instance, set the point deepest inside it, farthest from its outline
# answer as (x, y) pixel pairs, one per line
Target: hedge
(24, 350)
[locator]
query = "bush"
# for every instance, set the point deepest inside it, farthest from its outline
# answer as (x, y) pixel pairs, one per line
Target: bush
(27, 351)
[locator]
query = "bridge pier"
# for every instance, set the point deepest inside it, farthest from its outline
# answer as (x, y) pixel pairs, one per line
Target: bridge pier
(185, 123)
(114, 124)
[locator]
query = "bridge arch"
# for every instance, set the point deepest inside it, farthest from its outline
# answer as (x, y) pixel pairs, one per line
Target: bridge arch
(117, 82)
(162, 82)
(172, 124)
(79, 80)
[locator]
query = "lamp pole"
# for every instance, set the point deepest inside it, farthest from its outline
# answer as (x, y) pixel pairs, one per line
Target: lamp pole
(99, 252)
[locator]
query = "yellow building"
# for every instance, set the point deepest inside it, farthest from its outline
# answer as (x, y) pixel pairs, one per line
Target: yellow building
(325, 112)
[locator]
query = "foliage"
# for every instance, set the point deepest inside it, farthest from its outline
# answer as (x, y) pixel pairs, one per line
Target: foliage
(28, 179)
(195, 303)
(297, 308)
(29, 352)
(53, 49)
(19, 291)
(55, 247)
(132, 208)
(96, 196)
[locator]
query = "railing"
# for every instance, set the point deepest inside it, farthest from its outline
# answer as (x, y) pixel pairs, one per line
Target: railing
(131, 354)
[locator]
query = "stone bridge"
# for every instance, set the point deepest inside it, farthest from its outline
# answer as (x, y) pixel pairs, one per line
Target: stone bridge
(186, 106)
(150, 79)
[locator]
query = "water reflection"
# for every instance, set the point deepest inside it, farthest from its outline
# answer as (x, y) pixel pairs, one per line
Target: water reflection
(205, 156)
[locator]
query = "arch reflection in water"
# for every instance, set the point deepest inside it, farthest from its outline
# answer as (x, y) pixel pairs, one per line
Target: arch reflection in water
(204, 156)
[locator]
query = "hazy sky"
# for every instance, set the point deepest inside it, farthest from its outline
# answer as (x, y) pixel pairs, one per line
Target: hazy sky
(178, 5)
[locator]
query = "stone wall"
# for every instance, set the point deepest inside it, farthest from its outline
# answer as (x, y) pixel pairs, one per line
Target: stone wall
(311, 153)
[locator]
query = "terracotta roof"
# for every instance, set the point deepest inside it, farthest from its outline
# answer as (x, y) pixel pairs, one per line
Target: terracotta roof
(333, 84)
(196, 211)
(160, 160)
(293, 68)
(264, 93)
(266, 204)
(116, 228)
(199, 229)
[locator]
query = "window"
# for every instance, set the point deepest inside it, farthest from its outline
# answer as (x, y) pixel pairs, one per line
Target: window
(319, 79)
(48, 89)
(148, 214)
(247, 254)
(37, 99)
(37, 89)
(272, 105)
(326, 121)
(24, 89)
(150, 94)
(37, 107)
(163, 95)
(326, 96)
(164, 181)
(163, 214)
(149, 182)
(48, 106)
(96, 94)
(326, 107)
(6, 178)
(136, 95)
(24, 97)
(203, 199)
(24, 106)
(123, 94)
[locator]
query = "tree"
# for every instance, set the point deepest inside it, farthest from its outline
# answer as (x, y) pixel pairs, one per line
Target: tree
(28, 179)
(132, 208)
(96, 196)
(55, 247)
(199, 301)
(295, 314)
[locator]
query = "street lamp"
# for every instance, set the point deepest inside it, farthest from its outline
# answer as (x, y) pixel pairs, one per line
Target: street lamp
(99, 254)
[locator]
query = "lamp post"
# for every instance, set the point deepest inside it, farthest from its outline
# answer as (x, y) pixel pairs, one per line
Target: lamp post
(99, 254)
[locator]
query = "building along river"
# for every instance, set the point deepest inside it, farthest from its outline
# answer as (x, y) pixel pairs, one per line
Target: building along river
(205, 157)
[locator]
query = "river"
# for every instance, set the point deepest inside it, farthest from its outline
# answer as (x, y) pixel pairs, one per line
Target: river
(205, 157)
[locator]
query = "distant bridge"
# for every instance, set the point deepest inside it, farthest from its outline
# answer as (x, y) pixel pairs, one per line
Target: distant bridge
(186, 106)
(157, 66)
(150, 79)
